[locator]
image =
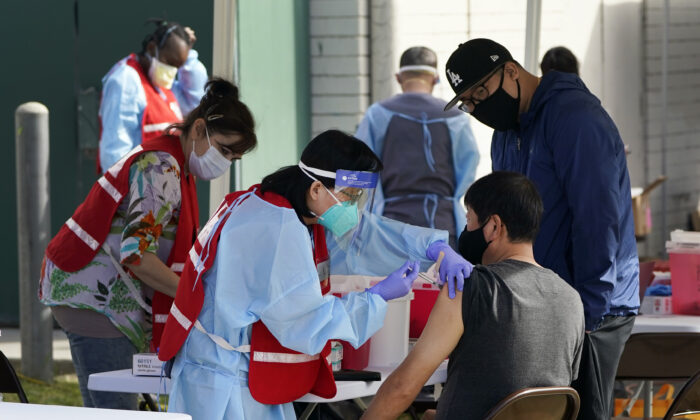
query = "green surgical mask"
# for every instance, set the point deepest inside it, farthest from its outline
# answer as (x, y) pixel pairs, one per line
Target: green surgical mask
(340, 218)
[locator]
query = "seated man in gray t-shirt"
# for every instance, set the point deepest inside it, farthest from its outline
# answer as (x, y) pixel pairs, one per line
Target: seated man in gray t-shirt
(515, 325)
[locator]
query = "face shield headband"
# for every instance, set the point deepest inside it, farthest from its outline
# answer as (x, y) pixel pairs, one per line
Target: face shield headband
(353, 189)
(355, 186)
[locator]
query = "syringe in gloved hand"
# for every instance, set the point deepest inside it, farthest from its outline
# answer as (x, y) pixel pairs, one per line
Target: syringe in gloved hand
(434, 269)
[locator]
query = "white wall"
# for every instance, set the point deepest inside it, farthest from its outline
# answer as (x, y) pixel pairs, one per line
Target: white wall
(339, 63)
(441, 26)
(682, 144)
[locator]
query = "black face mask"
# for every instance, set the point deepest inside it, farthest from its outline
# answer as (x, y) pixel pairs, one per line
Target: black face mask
(472, 244)
(500, 110)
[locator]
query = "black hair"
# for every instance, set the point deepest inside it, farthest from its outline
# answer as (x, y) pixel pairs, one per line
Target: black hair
(329, 151)
(223, 113)
(164, 29)
(511, 196)
(559, 59)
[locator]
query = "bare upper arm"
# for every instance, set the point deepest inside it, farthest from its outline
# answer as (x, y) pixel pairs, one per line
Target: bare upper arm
(444, 328)
(439, 338)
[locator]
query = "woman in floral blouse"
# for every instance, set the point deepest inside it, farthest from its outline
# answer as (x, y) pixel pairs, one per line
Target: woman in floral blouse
(103, 304)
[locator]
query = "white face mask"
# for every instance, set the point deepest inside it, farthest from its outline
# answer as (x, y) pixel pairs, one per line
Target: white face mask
(212, 164)
(161, 74)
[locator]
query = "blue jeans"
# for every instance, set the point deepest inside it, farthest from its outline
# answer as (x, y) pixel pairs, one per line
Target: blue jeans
(94, 355)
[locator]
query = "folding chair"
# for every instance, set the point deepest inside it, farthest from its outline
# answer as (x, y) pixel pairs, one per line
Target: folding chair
(545, 403)
(658, 356)
(687, 401)
(9, 383)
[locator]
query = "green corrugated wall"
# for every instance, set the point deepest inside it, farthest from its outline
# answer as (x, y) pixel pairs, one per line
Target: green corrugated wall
(274, 73)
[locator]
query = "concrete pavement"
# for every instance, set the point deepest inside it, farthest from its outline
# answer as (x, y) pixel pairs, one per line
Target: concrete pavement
(11, 346)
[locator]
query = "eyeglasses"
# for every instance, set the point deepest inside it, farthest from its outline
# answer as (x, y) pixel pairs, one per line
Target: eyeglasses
(481, 93)
(353, 198)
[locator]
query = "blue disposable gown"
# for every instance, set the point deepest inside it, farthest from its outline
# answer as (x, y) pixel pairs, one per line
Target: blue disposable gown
(406, 109)
(123, 102)
(264, 270)
(571, 150)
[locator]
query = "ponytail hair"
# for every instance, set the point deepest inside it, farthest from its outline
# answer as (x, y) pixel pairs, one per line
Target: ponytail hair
(223, 113)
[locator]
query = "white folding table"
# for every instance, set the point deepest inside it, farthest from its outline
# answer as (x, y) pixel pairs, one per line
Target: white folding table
(666, 324)
(124, 381)
(19, 411)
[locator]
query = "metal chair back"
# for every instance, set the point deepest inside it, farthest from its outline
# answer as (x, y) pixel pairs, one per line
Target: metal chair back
(9, 382)
(545, 403)
(687, 401)
(660, 356)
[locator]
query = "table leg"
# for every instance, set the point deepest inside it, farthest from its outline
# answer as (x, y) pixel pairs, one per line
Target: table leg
(152, 405)
(307, 411)
(437, 391)
(633, 399)
(360, 403)
(648, 398)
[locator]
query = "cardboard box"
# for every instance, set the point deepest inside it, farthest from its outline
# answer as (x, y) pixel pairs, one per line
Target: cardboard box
(146, 364)
(695, 217)
(662, 305)
(656, 305)
(641, 209)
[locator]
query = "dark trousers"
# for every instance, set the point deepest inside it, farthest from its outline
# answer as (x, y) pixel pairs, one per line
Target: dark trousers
(600, 355)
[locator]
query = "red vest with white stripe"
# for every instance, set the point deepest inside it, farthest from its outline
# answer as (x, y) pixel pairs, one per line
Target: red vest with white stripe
(80, 238)
(162, 109)
(276, 374)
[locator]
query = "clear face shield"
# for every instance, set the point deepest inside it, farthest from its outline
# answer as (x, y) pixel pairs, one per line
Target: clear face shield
(354, 195)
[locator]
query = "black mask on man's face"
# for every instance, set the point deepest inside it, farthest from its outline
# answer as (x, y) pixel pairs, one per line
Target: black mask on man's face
(472, 244)
(500, 110)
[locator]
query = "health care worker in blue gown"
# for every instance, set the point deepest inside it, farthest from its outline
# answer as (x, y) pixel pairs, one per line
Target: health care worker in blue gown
(146, 92)
(429, 155)
(252, 319)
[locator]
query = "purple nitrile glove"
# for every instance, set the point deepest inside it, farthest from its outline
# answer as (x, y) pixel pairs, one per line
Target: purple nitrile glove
(398, 283)
(453, 269)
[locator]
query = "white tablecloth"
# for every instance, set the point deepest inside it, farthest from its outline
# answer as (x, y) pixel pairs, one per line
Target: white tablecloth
(18, 411)
(124, 381)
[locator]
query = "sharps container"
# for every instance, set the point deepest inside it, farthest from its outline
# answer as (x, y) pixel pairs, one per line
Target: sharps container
(356, 358)
(426, 295)
(684, 258)
(390, 343)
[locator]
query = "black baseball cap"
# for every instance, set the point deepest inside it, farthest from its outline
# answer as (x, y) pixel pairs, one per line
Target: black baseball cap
(471, 62)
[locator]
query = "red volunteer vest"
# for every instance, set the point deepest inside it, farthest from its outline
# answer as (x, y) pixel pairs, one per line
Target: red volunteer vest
(81, 237)
(276, 374)
(162, 109)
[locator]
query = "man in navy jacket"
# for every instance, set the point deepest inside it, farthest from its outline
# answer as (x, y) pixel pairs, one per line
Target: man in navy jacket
(556, 132)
